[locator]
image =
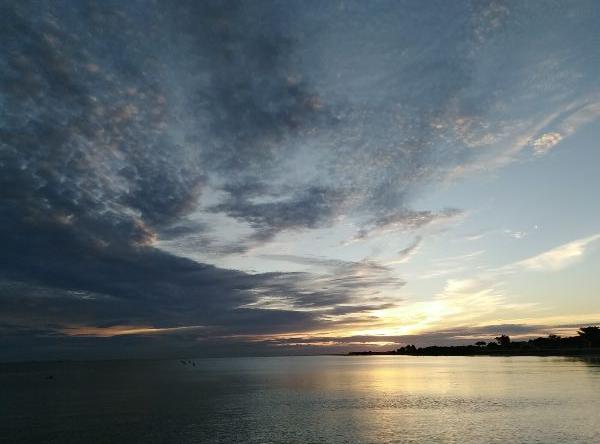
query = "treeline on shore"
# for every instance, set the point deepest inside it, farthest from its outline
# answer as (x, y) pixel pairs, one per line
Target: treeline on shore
(586, 342)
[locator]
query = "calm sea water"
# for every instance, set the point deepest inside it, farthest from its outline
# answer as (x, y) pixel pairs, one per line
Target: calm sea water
(387, 399)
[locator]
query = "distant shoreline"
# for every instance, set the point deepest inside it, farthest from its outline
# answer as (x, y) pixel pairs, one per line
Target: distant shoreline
(595, 352)
(586, 343)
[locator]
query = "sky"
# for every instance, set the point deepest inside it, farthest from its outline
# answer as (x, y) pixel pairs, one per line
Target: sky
(294, 177)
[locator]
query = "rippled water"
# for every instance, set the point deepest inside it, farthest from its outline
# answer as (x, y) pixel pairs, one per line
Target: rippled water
(360, 399)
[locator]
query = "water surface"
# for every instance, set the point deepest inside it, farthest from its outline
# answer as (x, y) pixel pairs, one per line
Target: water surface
(363, 399)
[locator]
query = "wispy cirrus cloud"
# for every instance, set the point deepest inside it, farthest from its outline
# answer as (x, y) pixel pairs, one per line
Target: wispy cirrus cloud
(408, 221)
(408, 252)
(559, 257)
(452, 264)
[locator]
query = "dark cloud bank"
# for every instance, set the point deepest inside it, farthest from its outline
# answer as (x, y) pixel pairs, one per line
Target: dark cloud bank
(118, 117)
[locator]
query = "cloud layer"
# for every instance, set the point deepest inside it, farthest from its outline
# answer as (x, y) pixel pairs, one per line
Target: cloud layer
(128, 129)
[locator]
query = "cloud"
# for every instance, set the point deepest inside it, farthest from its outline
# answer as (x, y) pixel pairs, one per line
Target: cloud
(407, 220)
(119, 330)
(560, 257)
(132, 134)
(333, 280)
(408, 252)
(545, 142)
(459, 335)
(573, 117)
(310, 209)
(515, 234)
(168, 125)
(452, 264)
(474, 237)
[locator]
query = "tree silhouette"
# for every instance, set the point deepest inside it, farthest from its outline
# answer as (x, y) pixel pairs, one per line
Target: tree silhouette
(591, 335)
(503, 340)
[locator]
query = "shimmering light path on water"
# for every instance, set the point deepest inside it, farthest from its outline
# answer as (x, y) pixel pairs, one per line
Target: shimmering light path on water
(304, 400)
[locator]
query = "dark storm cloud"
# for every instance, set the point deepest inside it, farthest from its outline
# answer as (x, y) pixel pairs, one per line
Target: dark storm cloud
(80, 284)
